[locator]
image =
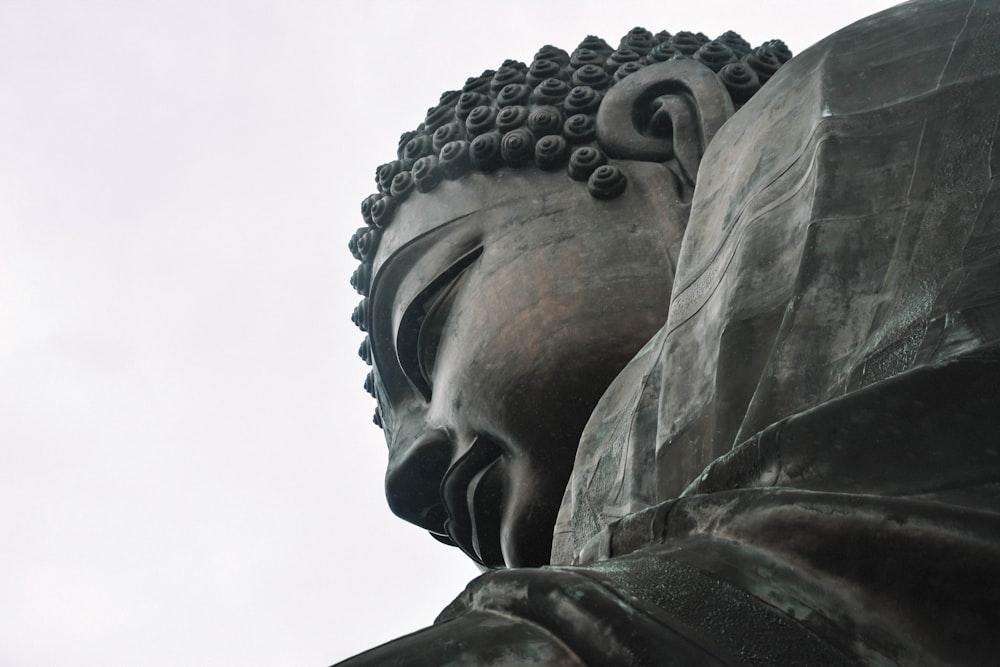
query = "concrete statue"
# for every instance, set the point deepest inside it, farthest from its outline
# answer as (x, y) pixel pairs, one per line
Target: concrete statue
(693, 347)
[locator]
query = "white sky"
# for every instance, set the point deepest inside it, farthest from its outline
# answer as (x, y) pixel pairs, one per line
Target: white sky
(188, 471)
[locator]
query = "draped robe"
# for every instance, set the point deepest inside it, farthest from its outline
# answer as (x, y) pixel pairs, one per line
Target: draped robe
(803, 466)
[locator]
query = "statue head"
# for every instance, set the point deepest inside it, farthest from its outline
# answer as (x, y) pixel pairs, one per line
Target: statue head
(518, 254)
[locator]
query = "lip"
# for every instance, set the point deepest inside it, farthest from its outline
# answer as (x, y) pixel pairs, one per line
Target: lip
(471, 491)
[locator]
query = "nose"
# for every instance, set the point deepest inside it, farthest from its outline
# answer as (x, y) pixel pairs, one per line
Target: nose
(413, 480)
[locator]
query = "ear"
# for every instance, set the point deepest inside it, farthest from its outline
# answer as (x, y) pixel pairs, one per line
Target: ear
(665, 111)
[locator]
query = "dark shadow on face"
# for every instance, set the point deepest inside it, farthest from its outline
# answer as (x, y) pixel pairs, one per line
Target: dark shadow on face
(502, 308)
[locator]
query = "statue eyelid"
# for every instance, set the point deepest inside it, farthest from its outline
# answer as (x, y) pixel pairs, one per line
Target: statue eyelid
(419, 334)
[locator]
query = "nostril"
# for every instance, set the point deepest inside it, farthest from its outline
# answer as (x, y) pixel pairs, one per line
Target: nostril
(412, 480)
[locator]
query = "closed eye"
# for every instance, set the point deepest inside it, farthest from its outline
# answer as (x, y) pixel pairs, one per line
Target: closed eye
(419, 335)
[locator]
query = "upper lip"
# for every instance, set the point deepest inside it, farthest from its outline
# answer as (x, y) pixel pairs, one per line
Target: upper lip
(468, 491)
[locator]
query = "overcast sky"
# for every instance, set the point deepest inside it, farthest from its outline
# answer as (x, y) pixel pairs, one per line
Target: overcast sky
(188, 470)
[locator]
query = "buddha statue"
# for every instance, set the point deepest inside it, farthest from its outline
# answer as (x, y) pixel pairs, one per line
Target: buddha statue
(692, 346)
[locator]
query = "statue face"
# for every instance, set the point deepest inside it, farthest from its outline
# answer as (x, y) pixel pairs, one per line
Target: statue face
(502, 307)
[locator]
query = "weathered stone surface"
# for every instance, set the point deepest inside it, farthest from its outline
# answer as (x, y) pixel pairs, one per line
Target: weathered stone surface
(802, 464)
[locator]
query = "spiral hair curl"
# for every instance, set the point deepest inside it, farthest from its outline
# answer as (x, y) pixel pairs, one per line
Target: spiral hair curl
(542, 115)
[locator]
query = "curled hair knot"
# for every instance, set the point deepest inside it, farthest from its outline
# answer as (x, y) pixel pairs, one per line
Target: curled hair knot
(764, 61)
(582, 99)
(484, 151)
(639, 40)
(686, 42)
(553, 53)
(402, 185)
(480, 120)
(619, 58)
(438, 116)
(454, 159)
(780, 49)
(550, 91)
(426, 173)
(385, 173)
(365, 351)
(591, 75)
(366, 207)
(551, 152)
(469, 101)
(513, 93)
(479, 84)
(352, 245)
(662, 52)
(505, 76)
(595, 43)
(449, 97)
(715, 55)
(417, 147)
(627, 69)
(584, 161)
(360, 315)
(361, 279)
(735, 41)
(583, 57)
(606, 182)
(368, 243)
(517, 147)
(580, 128)
(740, 80)
(511, 118)
(447, 133)
(382, 211)
(545, 120)
(542, 69)
(515, 64)
(404, 138)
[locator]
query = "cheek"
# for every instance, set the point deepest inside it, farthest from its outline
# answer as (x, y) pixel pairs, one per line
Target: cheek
(528, 347)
